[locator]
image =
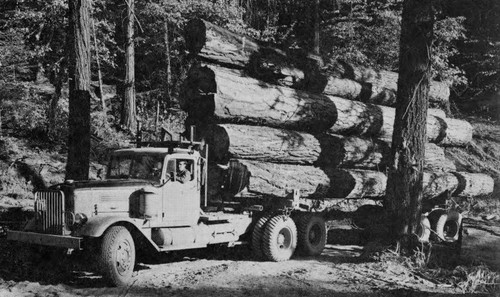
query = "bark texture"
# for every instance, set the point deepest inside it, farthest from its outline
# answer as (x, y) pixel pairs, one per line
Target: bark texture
(313, 182)
(267, 144)
(473, 184)
(77, 166)
(405, 174)
(333, 183)
(128, 119)
(297, 69)
(212, 94)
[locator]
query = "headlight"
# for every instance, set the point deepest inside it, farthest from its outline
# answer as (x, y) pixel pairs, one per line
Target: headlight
(80, 219)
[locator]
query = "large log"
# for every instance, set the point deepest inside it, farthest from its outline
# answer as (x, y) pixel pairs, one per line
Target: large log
(473, 184)
(312, 182)
(328, 183)
(439, 92)
(267, 144)
(296, 69)
(228, 96)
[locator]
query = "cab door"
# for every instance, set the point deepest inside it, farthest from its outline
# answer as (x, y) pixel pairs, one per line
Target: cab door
(180, 200)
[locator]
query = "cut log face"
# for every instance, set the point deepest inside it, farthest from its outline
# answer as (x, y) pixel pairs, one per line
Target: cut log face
(218, 95)
(267, 144)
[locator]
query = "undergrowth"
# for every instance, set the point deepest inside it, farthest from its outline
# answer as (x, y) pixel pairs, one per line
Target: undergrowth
(444, 266)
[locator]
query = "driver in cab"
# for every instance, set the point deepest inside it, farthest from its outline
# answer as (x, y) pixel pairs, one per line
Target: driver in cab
(183, 175)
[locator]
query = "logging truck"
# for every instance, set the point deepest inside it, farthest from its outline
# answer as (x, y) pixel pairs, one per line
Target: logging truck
(141, 201)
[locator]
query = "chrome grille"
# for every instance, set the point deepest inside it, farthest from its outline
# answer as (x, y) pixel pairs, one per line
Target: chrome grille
(49, 208)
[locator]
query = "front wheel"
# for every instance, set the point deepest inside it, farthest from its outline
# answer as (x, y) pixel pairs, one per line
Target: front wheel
(280, 238)
(117, 258)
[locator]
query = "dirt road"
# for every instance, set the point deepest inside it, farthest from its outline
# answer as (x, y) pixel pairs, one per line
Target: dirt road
(228, 272)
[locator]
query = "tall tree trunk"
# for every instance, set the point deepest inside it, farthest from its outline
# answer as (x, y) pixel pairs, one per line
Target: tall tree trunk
(128, 119)
(99, 74)
(405, 175)
(316, 27)
(77, 166)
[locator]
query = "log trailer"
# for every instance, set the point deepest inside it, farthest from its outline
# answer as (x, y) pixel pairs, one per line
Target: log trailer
(141, 201)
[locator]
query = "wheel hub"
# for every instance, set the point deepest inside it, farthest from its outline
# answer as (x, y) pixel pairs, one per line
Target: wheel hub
(123, 257)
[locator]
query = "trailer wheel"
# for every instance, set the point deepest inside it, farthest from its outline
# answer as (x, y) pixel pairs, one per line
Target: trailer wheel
(280, 238)
(257, 233)
(448, 226)
(311, 234)
(117, 257)
(424, 230)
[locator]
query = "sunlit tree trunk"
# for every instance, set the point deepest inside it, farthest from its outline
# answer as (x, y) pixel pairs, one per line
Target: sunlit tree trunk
(405, 175)
(77, 166)
(128, 119)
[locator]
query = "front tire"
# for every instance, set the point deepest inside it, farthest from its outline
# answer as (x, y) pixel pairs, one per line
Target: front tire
(280, 238)
(117, 258)
(311, 234)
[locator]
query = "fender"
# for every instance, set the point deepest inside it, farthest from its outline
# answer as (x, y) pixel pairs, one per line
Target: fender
(95, 226)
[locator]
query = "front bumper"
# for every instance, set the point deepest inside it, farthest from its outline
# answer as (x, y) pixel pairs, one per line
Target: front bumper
(71, 242)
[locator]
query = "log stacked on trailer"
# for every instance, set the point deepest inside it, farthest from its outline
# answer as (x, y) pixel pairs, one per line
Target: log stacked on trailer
(217, 94)
(230, 141)
(297, 69)
(272, 138)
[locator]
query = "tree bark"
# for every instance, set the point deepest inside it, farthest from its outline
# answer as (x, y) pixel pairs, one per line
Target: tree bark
(473, 184)
(216, 94)
(229, 141)
(297, 69)
(128, 119)
(439, 92)
(315, 183)
(405, 174)
(99, 73)
(77, 166)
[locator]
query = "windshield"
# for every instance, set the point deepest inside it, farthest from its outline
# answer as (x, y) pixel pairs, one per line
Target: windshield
(135, 166)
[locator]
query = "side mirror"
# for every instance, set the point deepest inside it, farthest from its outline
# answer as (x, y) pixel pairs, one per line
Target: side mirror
(171, 176)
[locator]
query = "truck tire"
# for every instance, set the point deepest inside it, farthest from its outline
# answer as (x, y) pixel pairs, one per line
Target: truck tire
(424, 230)
(280, 238)
(257, 234)
(311, 234)
(117, 257)
(448, 226)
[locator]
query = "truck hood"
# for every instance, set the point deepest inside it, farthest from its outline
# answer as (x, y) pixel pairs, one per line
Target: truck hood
(102, 184)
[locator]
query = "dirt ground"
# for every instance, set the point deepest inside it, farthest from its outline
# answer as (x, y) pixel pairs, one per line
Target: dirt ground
(233, 272)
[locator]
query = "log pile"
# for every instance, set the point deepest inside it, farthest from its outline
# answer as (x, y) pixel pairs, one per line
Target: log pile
(271, 131)
(297, 69)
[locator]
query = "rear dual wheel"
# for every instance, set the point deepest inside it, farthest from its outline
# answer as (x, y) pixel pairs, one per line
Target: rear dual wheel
(279, 239)
(311, 234)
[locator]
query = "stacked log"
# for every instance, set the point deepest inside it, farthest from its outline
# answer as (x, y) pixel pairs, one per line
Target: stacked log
(296, 69)
(274, 123)
(334, 183)
(230, 141)
(213, 93)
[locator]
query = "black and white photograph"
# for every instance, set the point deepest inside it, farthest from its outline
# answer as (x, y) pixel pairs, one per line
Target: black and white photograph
(234, 148)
